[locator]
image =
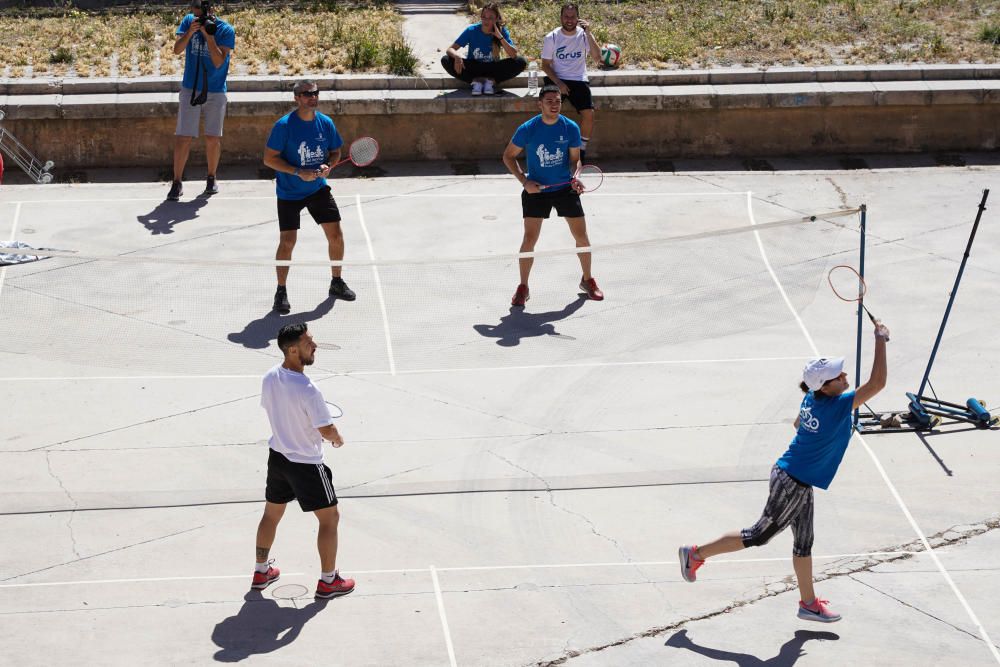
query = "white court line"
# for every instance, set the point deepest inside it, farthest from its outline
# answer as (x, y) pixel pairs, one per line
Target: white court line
(444, 617)
(142, 580)
(326, 376)
(13, 233)
(470, 568)
(388, 195)
(378, 287)
(878, 465)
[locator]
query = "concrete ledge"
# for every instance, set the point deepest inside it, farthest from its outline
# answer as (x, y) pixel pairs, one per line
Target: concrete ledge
(441, 81)
(379, 102)
(654, 121)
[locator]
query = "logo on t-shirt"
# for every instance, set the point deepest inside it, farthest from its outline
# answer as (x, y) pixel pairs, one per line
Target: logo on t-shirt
(547, 159)
(561, 53)
(807, 420)
(307, 156)
(482, 57)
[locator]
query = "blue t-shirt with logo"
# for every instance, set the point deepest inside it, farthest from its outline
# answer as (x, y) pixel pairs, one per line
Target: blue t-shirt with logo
(304, 144)
(825, 427)
(198, 62)
(480, 44)
(546, 148)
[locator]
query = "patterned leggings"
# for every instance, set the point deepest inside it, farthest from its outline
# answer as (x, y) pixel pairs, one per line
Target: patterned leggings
(788, 502)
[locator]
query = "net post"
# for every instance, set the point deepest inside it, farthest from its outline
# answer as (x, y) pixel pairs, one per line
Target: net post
(857, 347)
(954, 291)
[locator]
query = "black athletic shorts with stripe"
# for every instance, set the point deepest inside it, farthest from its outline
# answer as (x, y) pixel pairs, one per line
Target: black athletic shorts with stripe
(789, 502)
(309, 483)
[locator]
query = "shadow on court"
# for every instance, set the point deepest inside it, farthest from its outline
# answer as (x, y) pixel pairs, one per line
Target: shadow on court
(788, 654)
(258, 334)
(261, 626)
(161, 220)
(520, 324)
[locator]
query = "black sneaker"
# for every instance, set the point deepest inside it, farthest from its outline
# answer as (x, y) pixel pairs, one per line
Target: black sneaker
(176, 190)
(210, 187)
(281, 301)
(339, 289)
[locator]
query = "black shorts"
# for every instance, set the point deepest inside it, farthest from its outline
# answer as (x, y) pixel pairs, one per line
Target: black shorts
(566, 201)
(321, 205)
(309, 483)
(579, 94)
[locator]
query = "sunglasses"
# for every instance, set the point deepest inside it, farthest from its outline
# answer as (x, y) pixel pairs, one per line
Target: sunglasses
(310, 93)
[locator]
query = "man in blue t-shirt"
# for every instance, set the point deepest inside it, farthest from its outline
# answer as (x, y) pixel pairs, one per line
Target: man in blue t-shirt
(302, 148)
(550, 143)
(823, 431)
(206, 41)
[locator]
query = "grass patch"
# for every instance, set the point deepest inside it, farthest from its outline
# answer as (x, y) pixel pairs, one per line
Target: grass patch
(400, 59)
(328, 37)
(705, 33)
(990, 34)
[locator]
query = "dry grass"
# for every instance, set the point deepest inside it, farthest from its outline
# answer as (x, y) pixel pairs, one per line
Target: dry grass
(700, 33)
(361, 38)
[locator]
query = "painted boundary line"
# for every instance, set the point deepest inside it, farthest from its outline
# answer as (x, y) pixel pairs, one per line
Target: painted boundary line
(878, 465)
(465, 568)
(13, 234)
(444, 617)
(414, 195)
(326, 376)
(378, 287)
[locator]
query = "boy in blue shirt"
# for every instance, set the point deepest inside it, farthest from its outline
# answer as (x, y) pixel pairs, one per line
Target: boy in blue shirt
(303, 146)
(206, 41)
(823, 430)
(550, 143)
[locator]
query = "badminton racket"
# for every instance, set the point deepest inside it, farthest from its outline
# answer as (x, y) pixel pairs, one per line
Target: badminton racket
(849, 286)
(589, 176)
(361, 153)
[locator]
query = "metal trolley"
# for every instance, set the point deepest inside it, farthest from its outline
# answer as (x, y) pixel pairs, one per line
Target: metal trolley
(17, 152)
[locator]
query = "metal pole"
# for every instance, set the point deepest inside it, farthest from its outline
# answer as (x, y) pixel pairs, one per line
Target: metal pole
(954, 291)
(861, 271)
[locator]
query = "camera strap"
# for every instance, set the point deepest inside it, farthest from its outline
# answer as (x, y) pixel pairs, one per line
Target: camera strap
(200, 74)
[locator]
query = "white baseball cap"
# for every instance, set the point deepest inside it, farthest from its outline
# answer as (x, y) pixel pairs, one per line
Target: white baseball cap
(819, 371)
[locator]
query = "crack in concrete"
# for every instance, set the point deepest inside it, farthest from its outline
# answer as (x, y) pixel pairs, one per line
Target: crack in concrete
(552, 501)
(103, 553)
(955, 535)
(69, 496)
(910, 606)
(840, 192)
(140, 423)
(436, 463)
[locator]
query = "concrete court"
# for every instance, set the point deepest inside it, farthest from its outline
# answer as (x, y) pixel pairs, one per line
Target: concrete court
(502, 504)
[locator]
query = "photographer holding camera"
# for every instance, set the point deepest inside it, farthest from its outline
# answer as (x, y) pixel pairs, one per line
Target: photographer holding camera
(207, 42)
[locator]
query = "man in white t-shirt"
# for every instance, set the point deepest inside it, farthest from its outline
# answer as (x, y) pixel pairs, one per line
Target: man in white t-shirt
(564, 61)
(300, 421)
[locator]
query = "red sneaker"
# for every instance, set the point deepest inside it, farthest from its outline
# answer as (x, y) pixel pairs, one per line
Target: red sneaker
(818, 610)
(689, 563)
(338, 587)
(262, 580)
(592, 290)
(521, 296)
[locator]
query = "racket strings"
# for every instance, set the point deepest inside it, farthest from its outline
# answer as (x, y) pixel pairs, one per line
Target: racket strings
(364, 151)
(590, 177)
(846, 283)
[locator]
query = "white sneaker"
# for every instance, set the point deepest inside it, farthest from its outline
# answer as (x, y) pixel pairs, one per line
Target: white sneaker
(477, 88)
(488, 87)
